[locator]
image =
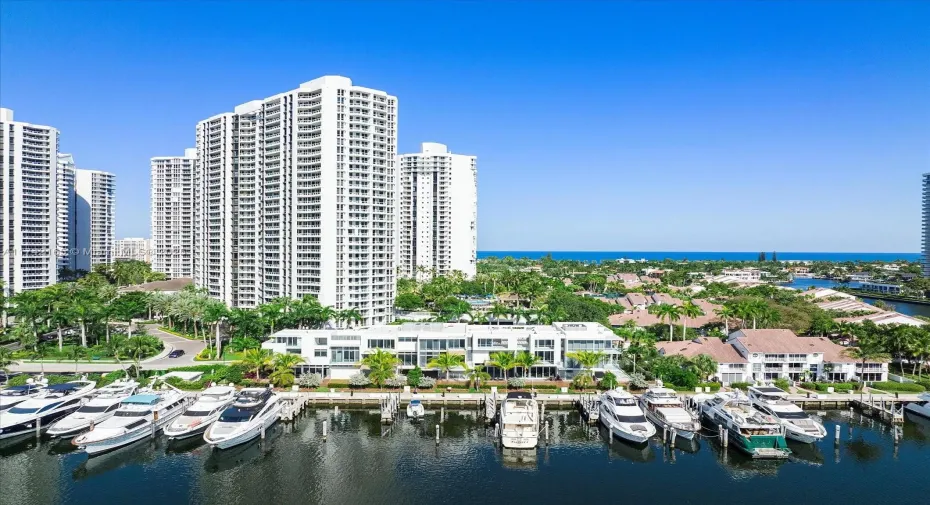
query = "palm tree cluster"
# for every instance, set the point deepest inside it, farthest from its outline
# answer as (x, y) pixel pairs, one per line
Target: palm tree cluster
(281, 365)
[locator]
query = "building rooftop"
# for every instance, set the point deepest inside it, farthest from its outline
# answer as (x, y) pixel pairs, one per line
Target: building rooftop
(721, 351)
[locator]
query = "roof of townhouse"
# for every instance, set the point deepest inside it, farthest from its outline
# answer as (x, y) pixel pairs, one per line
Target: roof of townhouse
(847, 305)
(779, 341)
(833, 352)
(644, 318)
(883, 317)
(826, 293)
(624, 277)
(721, 351)
(636, 299)
(665, 298)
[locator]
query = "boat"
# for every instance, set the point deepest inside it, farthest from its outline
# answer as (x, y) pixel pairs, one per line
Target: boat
(622, 416)
(43, 409)
(252, 412)
(204, 412)
(920, 408)
(664, 409)
(799, 425)
(519, 421)
(101, 406)
(753, 432)
(415, 409)
(14, 395)
(138, 416)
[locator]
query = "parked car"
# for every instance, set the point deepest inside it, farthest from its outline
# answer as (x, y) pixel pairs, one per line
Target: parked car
(177, 353)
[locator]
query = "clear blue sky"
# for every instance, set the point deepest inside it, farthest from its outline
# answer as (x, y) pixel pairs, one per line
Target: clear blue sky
(725, 126)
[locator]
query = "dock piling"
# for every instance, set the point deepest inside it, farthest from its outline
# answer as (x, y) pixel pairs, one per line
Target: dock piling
(324, 430)
(547, 432)
(664, 435)
(263, 432)
(437, 434)
(38, 427)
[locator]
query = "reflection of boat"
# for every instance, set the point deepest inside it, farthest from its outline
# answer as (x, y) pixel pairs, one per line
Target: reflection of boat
(664, 409)
(639, 453)
(134, 454)
(519, 421)
(99, 408)
(199, 416)
(221, 461)
(755, 433)
(253, 411)
(807, 453)
(11, 446)
(43, 409)
(920, 408)
(623, 417)
(415, 409)
(799, 426)
(14, 395)
(519, 458)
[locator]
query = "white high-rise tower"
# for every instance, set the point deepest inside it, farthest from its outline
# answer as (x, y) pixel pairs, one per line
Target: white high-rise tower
(438, 212)
(65, 212)
(925, 235)
(94, 216)
(294, 196)
(173, 214)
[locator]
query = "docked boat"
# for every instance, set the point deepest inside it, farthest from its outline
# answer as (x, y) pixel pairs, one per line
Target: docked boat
(920, 408)
(757, 434)
(253, 411)
(664, 409)
(620, 413)
(15, 395)
(519, 421)
(204, 412)
(48, 406)
(138, 416)
(415, 409)
(799, 425)
(98, 408)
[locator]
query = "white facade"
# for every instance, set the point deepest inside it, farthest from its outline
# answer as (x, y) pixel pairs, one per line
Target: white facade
(65, 210)
(438, 213)
(925, 226)
(28, 204)
(94, 217)
(294, 196)
(747, 274)
(172, 247)
(337, 353)
(138, 249)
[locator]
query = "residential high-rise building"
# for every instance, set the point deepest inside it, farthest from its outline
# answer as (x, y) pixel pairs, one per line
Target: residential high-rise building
(438, 213)
(93, 218)
(173, 214)
(925, 256)
(28, 202)
(294, 195)
(138, 249)
(66, 210)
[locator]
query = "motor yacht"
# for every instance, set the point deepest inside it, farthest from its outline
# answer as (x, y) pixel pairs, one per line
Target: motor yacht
(664, 409)
(204, 412)
(799, 425)
(40, 411)
(14, 395)
(101, 406)
(620, 413)
(920, 408)
(138, 416)
(757, 434)
(253, 411)
(415, 409)
(519, 421)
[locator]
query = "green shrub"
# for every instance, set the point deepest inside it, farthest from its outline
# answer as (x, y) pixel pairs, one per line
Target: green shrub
(413, 376)
(516, 383)
(18, 380)
(714, 386)
(359, 380)
(743, 386)
(638, 381)
(234, 373)
(783, 384)
(426, 383)
(336, 384)
(904, 387)
(608, 381)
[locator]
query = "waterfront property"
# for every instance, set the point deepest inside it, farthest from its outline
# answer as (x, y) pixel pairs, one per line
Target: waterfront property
(881, 288)
(337, 353)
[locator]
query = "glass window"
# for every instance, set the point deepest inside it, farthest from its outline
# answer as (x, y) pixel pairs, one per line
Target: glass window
(320, 340)
(380, 343)
(407, 358)
(345, 355)
(319, 353)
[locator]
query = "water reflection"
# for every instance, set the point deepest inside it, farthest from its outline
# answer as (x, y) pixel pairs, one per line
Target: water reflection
(623, 450)
(221, 460)
(139, 453)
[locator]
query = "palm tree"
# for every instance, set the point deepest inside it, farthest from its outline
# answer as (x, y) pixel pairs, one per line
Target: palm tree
(351, 315)
(526, 360)
(445, 362)
(498, 311)
(666, 312)
(869, 350)
(689, 310)
(138, 347)
(75, 353)
(503, 360)
(106, 294)
(726, 313)
(283, 364)
(214, 313)
(255, 360)
(84, 310)
(382, 365)
(28, 309)
(477, 375)
(59, 318)
(703, 365)
(38, 353)
(115, 347)
(6, 359)
(588, 360)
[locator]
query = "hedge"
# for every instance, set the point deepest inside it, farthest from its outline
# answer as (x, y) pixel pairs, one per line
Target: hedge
(740, 385)
(838, 387)
(906, 387)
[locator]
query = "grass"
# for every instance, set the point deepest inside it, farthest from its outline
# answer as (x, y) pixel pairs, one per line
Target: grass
(181, 334)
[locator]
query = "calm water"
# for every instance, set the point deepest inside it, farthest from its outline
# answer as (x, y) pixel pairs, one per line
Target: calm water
(911, 309)
(701, 255)
(359, 465)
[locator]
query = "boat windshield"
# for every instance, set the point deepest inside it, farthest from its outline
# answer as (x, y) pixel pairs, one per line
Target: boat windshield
(16, 392)
(132, 413)
(92, 409)
(792, 415)
(197, 413)
(21, 410)
(236, 415)
(622, 402)
(631, 419)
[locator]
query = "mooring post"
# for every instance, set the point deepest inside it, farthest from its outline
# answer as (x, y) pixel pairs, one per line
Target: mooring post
(664, 435)
(437, 434)
(263, 431)
(336, 410)
(547, 432)
(38, 427)
(836, 437)
(324, 430)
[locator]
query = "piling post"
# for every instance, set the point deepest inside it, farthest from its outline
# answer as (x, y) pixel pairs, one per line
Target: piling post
(336, 410)
(38, 427)
(262, 434)
(324, 430)
(442, 415)
(547, 432)
(671, 440)
(437, 434)
(664, 435)
(153, 429)
(836, 435)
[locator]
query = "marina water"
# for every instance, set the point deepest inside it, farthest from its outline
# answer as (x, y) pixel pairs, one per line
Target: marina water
(362, 461)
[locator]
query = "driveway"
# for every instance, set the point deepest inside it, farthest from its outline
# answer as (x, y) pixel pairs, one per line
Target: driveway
(191, 349)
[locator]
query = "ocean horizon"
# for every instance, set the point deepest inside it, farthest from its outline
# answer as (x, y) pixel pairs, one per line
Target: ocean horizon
(704, 255)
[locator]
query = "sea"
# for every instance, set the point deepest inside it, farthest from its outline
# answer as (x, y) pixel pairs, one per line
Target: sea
(589, 256)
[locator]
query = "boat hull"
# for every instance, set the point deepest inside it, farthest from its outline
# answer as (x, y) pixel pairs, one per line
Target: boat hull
(803, 437)
(641, 434)
(519, 442)
(29, 427)
(685, 433)
(189, 433)
(245, 435)
(112, 443)
(918, 410)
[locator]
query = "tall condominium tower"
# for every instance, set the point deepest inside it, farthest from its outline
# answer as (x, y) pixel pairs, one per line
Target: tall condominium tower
(925, 256)
(294, 196)
(66, 209)
(438, 212)
(94, 193)
(28, 201)
(173, 214)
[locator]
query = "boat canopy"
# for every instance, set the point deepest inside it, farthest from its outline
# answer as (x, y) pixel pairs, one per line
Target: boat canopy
(519, 394)
(67, 386)
(142, 399)
(414, 402)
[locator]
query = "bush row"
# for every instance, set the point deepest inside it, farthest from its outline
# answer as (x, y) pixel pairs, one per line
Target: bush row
(904, 387)
(839, 387)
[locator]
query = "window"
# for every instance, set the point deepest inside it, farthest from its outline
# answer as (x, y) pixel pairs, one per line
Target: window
(320, 340)
(346, 337)
(407, 358)
(546, 356)
(319, 353)
(492, 342)
(345, 355)
(380, 343)
(406, 339)
(545, 344)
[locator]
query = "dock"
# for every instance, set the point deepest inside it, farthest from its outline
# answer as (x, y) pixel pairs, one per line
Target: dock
(885, 409)
(589, 405)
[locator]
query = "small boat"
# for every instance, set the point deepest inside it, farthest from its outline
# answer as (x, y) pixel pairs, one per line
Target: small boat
(664, 409)
(40, 411)
(519, 421)
(204, 412)
(98, 408)
(799, 425)
(620, 413)
(14, 395)
(137, 417)
(920, 408)
(253, 411)
(755, 433)
(415, 409)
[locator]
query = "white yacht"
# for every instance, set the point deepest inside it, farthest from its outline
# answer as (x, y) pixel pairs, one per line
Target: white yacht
(50, 405)
(415, 409)
(519, 421)
(100, 407)
(798, 424)
(664, 409)
(14, 395)
(621, 415)
(757, 434)
(137, 417)
(253, 410)
(920, 408)
(199, 416)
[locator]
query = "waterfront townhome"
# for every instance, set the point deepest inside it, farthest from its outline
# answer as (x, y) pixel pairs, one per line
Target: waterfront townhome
(337, 353)
(731, 365)
(880, 287)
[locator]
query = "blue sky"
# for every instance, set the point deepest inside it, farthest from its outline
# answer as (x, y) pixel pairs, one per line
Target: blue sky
(787, 126)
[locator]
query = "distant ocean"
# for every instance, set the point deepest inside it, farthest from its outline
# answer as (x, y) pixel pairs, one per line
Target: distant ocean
(702, 255)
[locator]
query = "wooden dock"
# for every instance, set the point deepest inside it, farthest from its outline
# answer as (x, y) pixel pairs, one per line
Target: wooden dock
(885, 409)
(589, 405)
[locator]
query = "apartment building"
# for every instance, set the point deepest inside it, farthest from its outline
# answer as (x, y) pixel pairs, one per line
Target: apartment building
(28, 204)
(137, 249)
(337, 353)
(172, 215)
(294, 195)
(438, 213)
(65, 211)
(94, 217)
(925, 225)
